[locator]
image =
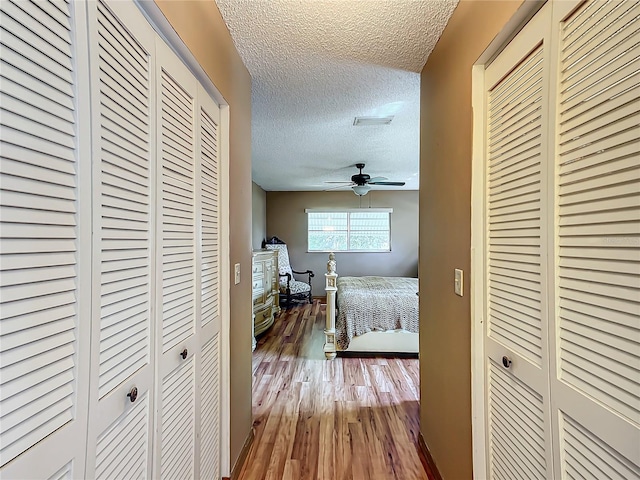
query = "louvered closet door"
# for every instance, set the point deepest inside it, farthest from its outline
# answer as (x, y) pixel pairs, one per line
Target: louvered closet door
(121, 47)
(595, 377)
(208, 326)
(179, 267)
(45, 233)
(517, 416)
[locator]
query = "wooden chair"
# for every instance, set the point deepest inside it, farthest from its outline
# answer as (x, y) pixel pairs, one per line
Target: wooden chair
(289, 286)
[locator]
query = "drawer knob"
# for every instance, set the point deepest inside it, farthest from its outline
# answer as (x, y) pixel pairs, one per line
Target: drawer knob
(184, 353)
(133, 394)
(506, 362)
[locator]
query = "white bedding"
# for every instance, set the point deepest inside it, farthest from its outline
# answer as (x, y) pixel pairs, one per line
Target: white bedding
(367, 304)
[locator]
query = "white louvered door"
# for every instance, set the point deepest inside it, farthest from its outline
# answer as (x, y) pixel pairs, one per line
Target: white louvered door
(109, 249)
(563, 246)
(123, 209)
(595, 374)
(516, 365)
(189, 342)
(178, 262)
(208, 326)
(45, 231)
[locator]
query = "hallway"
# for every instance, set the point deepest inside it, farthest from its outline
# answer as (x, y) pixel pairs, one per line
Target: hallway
(351, 418)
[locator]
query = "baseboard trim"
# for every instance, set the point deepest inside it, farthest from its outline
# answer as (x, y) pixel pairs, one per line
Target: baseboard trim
(237, 468)
(350, 354)
(427, 460)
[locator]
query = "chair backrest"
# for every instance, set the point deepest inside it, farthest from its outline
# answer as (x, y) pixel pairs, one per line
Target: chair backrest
(284, 266)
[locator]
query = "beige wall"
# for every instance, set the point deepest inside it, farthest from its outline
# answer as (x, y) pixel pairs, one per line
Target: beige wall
(287, 220)
(201, 27)
(445, 232)
(259, 215)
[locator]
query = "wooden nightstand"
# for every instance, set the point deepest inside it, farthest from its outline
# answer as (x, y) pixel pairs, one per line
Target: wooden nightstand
(264, 289)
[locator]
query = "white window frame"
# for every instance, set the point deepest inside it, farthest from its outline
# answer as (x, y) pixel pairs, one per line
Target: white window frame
(349, 211)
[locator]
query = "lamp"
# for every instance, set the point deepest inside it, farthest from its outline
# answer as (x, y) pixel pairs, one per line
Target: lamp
(361, 190)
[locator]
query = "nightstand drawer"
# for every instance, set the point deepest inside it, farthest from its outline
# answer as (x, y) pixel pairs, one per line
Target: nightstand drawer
(257, 285)
(257, 268)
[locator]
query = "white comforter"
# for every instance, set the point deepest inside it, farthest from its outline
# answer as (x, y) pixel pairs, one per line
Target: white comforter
(367, 304)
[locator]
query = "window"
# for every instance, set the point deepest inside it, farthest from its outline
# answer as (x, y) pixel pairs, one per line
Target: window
(366, 230)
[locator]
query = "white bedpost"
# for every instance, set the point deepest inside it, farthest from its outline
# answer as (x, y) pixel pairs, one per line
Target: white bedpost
(330, 287)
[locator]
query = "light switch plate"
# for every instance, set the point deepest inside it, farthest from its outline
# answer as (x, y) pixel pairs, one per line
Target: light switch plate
(236, 270)
(458, 282)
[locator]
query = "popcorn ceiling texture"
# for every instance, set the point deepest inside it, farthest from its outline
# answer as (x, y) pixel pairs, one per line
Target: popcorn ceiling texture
(317, 64)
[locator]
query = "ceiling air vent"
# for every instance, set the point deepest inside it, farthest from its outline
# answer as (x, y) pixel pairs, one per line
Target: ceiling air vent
(368, 121)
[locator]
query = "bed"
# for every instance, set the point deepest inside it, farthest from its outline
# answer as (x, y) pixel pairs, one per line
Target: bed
(370, 314)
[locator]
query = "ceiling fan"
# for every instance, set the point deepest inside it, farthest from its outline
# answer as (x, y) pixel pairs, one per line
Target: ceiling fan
(360, 182)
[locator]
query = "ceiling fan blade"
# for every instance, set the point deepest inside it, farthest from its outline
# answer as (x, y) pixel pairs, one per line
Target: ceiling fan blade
(392, 184)
(339, 186)
(341, 181)
(377, 179)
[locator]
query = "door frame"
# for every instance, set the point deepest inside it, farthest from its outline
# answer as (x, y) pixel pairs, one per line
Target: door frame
(478, 219)
(162, 26)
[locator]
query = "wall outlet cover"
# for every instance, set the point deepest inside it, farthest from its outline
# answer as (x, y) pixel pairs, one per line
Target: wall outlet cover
(458, 282)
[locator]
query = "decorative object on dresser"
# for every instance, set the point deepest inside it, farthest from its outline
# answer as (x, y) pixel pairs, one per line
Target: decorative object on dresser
(264, 285)
(289, 286)
(370, 314)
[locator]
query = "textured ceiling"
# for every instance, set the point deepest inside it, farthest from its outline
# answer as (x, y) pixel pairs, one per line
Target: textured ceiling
(317, 64)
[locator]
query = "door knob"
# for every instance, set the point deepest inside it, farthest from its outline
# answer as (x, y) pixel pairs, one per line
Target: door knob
(506, 362)
(133, 394)
(184, 353)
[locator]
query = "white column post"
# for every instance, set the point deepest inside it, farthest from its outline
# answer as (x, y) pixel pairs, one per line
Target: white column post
(330, 287)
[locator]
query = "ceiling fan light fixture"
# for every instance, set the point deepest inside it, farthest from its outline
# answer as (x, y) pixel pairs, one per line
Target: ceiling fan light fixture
(368, 121)
(361, 190)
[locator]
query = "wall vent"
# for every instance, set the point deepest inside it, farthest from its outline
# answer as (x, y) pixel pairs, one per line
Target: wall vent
(367, 121)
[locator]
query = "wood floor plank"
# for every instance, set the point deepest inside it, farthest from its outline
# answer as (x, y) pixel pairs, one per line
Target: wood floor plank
(291, 470)
(347, 419)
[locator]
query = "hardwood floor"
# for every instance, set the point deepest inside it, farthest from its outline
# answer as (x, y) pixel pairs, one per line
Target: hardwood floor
(346, 419)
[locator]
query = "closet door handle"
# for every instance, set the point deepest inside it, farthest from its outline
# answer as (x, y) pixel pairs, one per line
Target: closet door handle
(184, 354)
(506, 362)
(133, 394)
